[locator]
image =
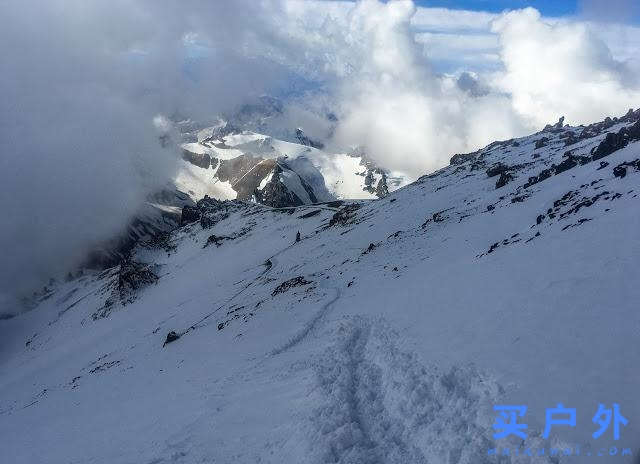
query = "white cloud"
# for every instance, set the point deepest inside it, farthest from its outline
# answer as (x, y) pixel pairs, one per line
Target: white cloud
(560, 69)
(408, 117)
(83, 83)
(384, 64)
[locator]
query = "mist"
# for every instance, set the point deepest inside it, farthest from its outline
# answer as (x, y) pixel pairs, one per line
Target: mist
(83, 81)
(79, 153)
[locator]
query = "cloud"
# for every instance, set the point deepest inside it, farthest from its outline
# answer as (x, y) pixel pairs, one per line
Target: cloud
(409, 117)
(560, 69)
(77, 154)
(82, 84)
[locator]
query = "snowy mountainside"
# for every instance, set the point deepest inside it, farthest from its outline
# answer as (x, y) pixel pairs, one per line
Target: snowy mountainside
(160, 214)
(236, 163)
(387, 333)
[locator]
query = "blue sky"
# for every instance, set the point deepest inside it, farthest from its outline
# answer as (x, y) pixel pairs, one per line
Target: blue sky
(620, 11)
(546, 7)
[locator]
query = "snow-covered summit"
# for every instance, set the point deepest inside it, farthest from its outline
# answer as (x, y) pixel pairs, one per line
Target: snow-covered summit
(238, 164)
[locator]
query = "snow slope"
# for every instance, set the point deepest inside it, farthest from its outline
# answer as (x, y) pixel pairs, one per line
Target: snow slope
(198, 182)
(386, 335)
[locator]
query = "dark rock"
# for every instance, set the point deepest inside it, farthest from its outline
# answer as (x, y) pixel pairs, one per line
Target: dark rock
(368, 180)
(276, 194)
(304, 140)
(134, 276)
(213, 211)
(382, 190)
(541, 142)
(504, 179)
(557, 127)
(171, 337)
(207, 222)
(149, 225)
(438, 217)
(571, 161)
(616, 141)
(543, 175)
(345, 215)
(497, 169)
(189, 214)
(335, 204)
(369, 249)
(213, 239)
(571, 140)
(289, 284)
(462, 158)
(202, 160)
(315, 212)
(620, 171)
(608, 122)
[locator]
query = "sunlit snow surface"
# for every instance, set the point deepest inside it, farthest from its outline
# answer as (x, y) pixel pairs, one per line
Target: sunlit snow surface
(198, 182)
(390, 353)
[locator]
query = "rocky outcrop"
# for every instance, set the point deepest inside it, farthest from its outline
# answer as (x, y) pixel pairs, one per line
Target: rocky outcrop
(571, 161)
(276, 194)
(541, 142)
(557, 127)
(504, 179)
(462, 158)
(132, 277)
(189, 214)
(497, 169)
(127, 282)
(379, 187)
(209, 211)
(382, 190)
(160, 214)
(345, 215)
(616, 141)
(289, 284)
(621, 169)
(304, 140)
(202, 160)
